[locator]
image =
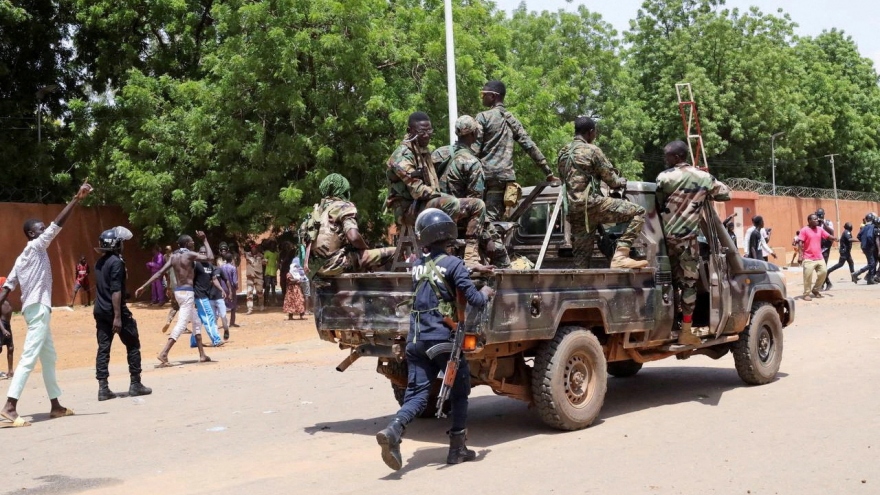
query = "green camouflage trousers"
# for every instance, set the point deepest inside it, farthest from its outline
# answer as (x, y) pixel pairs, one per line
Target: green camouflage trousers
(606, 210)
(470, 211)
(355, 261)
(494, 198)
(492, 246)
(684, 256)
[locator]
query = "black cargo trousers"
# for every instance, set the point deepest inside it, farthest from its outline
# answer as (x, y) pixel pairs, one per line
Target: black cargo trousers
(128, 334)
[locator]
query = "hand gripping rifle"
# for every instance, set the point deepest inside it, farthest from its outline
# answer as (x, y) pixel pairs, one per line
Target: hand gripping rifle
(455, 355)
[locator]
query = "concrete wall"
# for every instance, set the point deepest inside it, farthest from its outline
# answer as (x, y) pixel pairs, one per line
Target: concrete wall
(79, 236)
(786, 215)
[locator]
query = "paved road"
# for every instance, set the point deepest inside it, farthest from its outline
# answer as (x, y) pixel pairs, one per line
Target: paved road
(279, 420)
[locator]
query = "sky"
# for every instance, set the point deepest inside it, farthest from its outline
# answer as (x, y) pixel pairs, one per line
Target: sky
(860, 19)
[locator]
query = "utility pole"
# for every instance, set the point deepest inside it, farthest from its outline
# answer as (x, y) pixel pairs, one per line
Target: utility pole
(450, 71)
(834, 179)
(773, 157)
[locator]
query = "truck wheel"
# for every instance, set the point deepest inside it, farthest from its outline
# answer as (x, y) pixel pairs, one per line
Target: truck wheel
(569, 379)
(758, 352)
(624, 369)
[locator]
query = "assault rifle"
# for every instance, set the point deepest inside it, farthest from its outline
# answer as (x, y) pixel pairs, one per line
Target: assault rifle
(455, 355)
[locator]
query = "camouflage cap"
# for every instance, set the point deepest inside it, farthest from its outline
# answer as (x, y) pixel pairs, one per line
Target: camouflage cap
(466, 125)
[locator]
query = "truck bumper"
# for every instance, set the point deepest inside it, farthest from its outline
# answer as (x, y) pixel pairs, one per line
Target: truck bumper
(789, 310)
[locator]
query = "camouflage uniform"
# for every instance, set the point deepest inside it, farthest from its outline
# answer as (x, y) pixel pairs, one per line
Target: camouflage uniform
(462, 177)
(681, 193)
(500, 130)
(581, 167)
(331, 246)
(413, 186)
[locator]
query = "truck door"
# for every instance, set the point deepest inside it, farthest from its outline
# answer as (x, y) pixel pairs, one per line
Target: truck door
(719, 272)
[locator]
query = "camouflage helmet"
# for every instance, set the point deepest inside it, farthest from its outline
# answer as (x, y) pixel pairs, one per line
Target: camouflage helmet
(466, 124)
(433, 225)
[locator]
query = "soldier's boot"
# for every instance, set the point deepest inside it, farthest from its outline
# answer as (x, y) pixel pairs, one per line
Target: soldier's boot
(458, 451)
(621, 259)
(471, 253)
(687, 337)
(104, 392)
(137, 388)
(389, 440)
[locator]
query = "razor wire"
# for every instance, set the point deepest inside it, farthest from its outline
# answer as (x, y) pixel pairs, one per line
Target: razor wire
(766, 189)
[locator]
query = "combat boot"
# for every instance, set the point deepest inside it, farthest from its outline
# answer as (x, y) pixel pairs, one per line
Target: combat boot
(458, 451)
(137, 388)
(104, 392)
(621, 259)
(471, 253)
(389, 440)
(687, 337)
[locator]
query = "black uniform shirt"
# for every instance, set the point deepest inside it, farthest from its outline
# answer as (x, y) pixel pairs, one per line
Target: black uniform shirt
(110, 278)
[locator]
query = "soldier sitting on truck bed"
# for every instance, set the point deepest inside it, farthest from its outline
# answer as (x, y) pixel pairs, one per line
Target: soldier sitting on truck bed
(681, 192)
(413, 186)
(582, 167)
(461, 175)
(332, 233)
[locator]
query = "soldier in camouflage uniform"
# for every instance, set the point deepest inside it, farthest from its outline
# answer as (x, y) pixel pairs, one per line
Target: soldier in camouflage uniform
(461, 175)
(339, 243)
(681, 193)
(495, 149)
(582, 166)
(413, 186)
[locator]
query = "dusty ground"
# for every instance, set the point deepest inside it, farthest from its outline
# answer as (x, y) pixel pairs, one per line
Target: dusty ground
(274, 417)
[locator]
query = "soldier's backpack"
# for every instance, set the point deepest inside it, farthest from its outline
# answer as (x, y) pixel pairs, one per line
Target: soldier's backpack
(326, 236)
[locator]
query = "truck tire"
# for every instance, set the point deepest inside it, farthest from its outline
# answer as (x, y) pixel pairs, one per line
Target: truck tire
(624, 369)
(758, 352)
(569, 379)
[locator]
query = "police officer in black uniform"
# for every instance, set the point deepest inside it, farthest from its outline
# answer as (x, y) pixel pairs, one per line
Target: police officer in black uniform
(434, 230)
(112, 315)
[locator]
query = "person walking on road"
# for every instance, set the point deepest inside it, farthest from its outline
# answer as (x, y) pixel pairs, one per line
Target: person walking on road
(810, 254)
(112, 315)
(869, 248)
(437, 278)
(845, 251)
(33, 273)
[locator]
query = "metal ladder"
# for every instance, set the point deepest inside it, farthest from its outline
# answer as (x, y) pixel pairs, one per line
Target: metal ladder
(690, 118)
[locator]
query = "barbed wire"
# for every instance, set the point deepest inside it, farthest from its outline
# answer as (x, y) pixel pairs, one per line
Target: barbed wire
(750, 185)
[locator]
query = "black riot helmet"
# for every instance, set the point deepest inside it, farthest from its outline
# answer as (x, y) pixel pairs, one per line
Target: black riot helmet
(111, 240)
(820, 213)
(433, 226)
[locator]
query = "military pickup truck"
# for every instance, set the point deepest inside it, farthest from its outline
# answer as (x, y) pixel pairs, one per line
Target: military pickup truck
(552, 334)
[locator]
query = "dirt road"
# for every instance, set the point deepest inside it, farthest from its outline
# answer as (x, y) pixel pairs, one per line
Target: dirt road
(272, 416)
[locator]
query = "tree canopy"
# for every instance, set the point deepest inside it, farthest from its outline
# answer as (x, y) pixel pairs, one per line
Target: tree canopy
(228, 113)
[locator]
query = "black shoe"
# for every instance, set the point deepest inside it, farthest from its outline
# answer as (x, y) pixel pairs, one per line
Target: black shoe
(104, 392)
(389, 440)
(137, 388)
(828, 286)
(225, 335)
(871, 282)
(855, 278)
(458, 451)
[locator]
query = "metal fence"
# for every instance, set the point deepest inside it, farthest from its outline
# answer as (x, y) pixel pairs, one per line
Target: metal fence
(765, 188)
(12, 194)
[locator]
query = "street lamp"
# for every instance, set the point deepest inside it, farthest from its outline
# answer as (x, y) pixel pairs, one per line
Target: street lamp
(773, 157)
(41, 93)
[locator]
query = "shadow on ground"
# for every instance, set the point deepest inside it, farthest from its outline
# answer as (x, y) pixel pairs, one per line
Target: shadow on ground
(61, 485)
(494, 420)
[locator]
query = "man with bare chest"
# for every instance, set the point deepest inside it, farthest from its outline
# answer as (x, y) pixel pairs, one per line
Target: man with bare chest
(182, 263)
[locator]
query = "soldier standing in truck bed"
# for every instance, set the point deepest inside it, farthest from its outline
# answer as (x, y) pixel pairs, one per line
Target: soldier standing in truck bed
(413, 186)
(681, 192)
(583, 167)
(332, 233)
(495, 149)
(461, 175)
